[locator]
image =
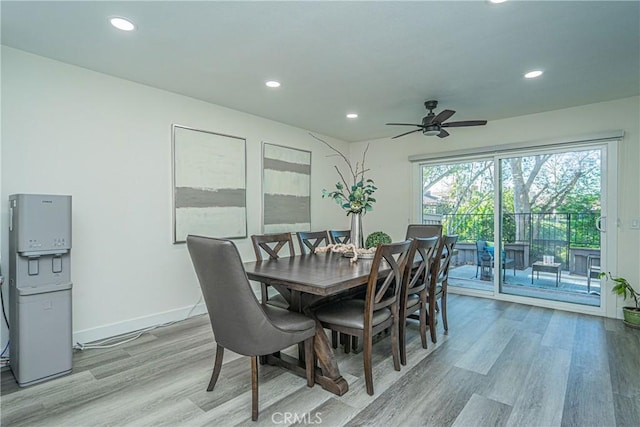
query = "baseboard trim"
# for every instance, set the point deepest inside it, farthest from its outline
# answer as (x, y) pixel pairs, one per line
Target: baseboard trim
(107, 331)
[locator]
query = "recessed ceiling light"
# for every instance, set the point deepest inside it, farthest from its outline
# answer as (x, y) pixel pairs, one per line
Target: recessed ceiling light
(122, 24)
(352, 116)
(533, 74)
(497, 1)
(272, 83)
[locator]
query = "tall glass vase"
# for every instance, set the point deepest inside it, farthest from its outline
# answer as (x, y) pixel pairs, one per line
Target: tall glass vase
(356, 230)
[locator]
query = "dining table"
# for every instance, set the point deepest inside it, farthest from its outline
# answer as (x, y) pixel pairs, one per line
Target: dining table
(304, 279)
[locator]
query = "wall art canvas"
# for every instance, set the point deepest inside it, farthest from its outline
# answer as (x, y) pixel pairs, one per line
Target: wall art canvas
(209, 184)
(286, 188)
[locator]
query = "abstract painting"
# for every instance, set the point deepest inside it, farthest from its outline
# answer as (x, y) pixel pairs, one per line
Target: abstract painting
(209, 184)
(286, 189)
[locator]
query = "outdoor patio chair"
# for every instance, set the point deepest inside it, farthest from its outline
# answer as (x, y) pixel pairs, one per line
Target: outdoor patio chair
(485, 256)
(593, 270)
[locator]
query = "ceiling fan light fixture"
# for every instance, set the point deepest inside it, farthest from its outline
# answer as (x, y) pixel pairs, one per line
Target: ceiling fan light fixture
(431, 131)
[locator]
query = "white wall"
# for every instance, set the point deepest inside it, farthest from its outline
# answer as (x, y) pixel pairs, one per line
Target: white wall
(107, 142)
(390, 168)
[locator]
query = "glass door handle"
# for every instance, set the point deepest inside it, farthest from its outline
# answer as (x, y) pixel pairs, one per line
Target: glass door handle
(601, 224)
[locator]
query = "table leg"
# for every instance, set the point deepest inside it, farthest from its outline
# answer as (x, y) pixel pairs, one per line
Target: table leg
(559, 279)
(327, 375)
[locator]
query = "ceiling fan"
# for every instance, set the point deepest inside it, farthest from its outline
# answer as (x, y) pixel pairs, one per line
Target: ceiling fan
(433, 125)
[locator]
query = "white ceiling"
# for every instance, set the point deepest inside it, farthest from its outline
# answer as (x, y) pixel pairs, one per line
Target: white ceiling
(380, 59)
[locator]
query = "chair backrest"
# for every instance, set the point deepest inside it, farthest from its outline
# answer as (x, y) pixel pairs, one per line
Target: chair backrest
(442, 260)
(310, 240)
(423, 230)
(417, 279)
(385, 292)
(340, 236)
(239, 323)
(481, 248)
(272, 244)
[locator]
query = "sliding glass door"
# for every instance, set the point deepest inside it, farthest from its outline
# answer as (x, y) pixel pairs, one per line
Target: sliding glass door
(546, 241)
(550, 208)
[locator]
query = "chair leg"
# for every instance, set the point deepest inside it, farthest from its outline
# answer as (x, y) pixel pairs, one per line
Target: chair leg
(346, 342)
(217, 367)
(394, 342)
(334, 339)
(354, 344)
(367, 349)
(423, 324)
(402, 332)
(310, 361)
(254, 388)
(443, 303)
(432, 319)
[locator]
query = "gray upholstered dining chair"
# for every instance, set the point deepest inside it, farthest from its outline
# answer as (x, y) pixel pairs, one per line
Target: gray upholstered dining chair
(272, 245)
(240, 323)
(377, 312)
(423, 230)
(415, 289)
(340, 236)
(310, 240)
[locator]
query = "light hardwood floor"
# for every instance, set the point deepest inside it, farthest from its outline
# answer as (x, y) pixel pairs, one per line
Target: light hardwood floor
(500, 364)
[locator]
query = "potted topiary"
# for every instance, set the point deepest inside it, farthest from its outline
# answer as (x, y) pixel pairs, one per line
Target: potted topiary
(377, 237)
(623, 287)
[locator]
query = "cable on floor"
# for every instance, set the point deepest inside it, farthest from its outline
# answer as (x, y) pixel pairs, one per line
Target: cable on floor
(131, 336)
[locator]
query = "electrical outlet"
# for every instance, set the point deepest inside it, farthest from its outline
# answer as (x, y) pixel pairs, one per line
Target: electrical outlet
(635, 224)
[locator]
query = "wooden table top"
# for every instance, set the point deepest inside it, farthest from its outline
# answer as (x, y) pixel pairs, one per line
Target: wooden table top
(318, 274)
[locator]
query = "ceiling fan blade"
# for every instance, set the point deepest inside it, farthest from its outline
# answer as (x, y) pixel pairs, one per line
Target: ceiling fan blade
(443, 133)
(406, 133)
(444, 115)
(464, 123)
(403, 124)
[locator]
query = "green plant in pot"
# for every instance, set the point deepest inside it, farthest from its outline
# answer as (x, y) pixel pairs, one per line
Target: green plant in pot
(623, 288)
(375, 238)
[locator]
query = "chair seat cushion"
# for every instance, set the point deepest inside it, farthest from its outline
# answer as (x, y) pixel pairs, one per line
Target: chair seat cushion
(349, 313)
(288, 320)
(438, 292)
(412, 303)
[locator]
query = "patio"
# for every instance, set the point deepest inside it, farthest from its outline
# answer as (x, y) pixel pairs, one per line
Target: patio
(571, 288)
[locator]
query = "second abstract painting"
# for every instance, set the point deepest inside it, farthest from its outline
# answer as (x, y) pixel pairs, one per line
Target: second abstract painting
(286, 188)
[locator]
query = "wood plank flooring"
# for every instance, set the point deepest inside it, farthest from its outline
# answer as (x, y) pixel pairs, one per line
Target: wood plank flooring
(500, 364)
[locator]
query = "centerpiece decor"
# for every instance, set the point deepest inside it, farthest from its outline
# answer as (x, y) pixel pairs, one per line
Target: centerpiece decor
(375, 238)
(355, 197)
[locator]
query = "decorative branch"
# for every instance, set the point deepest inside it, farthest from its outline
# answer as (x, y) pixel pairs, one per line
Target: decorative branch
(356, 198)
(354, 173)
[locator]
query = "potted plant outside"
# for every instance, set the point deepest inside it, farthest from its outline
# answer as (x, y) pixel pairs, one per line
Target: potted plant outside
(623, 287)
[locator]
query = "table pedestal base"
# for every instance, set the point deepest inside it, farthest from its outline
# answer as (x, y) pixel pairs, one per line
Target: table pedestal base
(327, 375)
